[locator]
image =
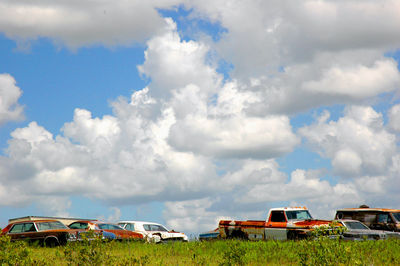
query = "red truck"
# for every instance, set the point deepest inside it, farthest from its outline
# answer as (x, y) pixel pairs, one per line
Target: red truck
(281, 224)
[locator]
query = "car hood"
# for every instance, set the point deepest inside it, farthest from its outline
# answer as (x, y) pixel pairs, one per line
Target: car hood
(308, 224)
(171, 234)
(369, 234)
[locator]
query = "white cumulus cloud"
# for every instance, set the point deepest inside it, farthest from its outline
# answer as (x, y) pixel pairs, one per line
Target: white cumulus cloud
(82, 23)
(205, 144)
(10, 109)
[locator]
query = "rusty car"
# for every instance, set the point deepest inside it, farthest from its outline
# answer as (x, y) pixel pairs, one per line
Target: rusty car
(98, 226)
(374, 218)
(46, 232)
(281, 224)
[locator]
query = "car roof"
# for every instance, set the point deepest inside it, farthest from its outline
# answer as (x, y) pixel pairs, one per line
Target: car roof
(347, 220)
(85, 221)
(35, 221)
(368, 209)
(139, 222)
(93, 222)
(289, 209)
(102, 222)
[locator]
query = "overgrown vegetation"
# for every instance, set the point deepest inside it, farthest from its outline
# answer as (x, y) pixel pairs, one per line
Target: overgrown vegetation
(224, 252)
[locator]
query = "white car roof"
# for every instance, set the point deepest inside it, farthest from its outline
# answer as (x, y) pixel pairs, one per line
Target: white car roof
(139, 222)
(289, 209)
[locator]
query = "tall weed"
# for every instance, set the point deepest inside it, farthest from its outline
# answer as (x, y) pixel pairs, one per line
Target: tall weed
(14, 253)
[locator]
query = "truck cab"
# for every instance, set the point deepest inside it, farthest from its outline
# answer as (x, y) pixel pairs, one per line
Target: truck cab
(280, 220)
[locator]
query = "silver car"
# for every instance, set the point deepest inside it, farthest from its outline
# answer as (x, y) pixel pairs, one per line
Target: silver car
(356, 230)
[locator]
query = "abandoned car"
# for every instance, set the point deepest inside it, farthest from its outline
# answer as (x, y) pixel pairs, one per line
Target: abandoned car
(355, 230)
(46, 232)
(374, 218)
(284, 223)
(210, 235)
(154, 232)
(98, 226)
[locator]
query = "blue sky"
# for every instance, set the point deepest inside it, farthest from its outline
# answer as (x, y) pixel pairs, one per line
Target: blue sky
(186, 113)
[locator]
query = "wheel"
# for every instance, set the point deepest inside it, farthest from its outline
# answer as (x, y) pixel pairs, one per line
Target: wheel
(51, 242)
(237, 234)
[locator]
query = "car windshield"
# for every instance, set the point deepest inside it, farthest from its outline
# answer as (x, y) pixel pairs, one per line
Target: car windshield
(42, 226)
(396, 216)
(355, 225)
(155, 227)
(298, 215)
(109, 227)
(79, 225)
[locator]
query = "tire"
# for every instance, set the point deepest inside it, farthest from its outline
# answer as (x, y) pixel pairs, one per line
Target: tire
(51, 242)
(237, 234)
(293, 235)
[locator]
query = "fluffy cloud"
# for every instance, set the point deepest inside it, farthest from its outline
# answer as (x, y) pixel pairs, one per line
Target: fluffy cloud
(357, 82)
(296, 56)
(237, 136)
(10, 110)
(82, 23)
(270, 34)
(206, 146)
(172, 64)
(363, 152)
(357, 143)
(137, 154)
(394, 118)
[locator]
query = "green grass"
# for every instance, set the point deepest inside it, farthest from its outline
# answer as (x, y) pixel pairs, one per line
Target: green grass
(223, 252)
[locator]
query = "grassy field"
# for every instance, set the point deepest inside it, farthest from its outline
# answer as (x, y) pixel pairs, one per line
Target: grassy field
(228, 252)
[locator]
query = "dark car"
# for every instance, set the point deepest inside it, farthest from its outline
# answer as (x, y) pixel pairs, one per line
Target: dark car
(374, 218)
(109, 228)
(46, 232)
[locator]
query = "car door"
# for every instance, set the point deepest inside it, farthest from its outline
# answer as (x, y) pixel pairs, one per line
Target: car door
(31, 233)
(384, 222)
(24, 231)
(276, 226)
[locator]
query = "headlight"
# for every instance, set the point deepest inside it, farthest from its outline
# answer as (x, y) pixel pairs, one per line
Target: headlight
(71, 236)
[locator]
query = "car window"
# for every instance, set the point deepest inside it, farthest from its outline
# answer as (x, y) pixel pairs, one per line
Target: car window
(298, 215)
(42, 226)
(356, 225)
(278, 216)
(147, 227)
(160, 228)
(78, 225)
(17, 228)
(29, 227)
(130, 227)
(384, 218)
(109, 226)
(123, 225)
(114, 227)
(103, 226)
(396, 215)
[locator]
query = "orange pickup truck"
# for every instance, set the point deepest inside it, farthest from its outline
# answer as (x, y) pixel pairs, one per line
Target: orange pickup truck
(281, 224)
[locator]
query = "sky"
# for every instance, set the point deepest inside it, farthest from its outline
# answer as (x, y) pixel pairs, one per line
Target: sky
(188, 112)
